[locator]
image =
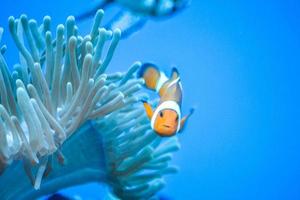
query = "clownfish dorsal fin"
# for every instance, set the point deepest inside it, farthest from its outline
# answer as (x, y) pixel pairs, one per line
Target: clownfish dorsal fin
(174, 73)
(169, 88)
(174, 78)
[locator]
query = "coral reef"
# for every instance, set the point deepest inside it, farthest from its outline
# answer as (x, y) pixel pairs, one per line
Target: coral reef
(64, 122)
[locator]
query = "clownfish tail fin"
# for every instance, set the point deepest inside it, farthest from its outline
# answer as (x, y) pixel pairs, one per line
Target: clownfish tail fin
(152, 76)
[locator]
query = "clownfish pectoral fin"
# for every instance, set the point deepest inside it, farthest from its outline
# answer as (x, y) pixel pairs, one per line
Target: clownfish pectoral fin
(184, 119)
(148, 109)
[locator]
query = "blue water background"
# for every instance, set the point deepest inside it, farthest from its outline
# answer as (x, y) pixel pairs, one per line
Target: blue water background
(239, 63)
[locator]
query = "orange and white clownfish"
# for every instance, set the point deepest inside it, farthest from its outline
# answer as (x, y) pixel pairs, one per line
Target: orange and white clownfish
(166, 119)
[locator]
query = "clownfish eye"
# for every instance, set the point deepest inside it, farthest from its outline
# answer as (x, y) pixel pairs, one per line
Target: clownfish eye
(161, 114)
(176, 118)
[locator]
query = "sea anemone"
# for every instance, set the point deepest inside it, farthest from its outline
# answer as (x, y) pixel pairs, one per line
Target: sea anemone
(64, 122)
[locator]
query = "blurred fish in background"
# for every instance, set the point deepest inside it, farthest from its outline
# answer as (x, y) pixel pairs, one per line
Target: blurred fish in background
(135, 13)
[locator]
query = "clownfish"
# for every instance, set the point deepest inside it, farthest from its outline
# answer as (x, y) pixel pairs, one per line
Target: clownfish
(166, 119)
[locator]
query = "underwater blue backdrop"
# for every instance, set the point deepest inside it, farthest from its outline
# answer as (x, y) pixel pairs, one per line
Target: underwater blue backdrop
(239, 63)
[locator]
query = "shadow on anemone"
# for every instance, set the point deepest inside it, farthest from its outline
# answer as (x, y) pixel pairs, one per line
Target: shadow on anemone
(58, 196)
(64, 122)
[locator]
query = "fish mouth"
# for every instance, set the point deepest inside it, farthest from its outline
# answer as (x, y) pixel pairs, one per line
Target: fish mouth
(167, 126)
(166, 130)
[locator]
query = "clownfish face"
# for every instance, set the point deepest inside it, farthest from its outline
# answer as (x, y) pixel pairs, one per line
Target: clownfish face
(166, 122)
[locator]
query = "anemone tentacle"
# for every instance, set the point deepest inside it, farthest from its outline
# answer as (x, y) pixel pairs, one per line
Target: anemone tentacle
(65, 122)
